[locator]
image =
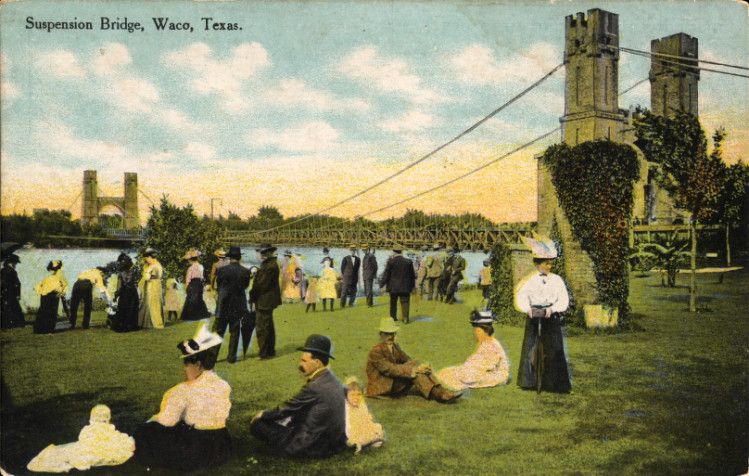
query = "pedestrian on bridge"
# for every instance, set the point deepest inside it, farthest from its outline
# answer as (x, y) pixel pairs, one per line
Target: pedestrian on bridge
(400, 280)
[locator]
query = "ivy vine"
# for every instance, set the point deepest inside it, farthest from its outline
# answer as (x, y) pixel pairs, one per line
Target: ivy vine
(594, 182)
(502, 301)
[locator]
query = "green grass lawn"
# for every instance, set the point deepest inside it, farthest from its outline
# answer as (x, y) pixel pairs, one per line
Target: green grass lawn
(671, 398)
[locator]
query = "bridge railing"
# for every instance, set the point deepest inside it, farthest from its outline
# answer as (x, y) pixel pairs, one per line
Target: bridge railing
(476, 238)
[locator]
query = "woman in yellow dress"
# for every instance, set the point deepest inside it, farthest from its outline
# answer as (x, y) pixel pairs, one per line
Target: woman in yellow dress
(326, 284)
(151, 311)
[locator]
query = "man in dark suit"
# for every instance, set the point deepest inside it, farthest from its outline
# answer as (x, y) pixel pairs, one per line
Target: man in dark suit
(457, 266)
(232, 281)
(266, 296)
(400, 279)
(349, 276)
(391, 372)
(368, 273)
(313, 423)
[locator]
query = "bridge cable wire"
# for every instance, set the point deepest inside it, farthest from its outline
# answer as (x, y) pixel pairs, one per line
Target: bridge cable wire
(680, 63)
(74, 200)
(471, 172)
(434, 151)
(682, 58)
(633, 86)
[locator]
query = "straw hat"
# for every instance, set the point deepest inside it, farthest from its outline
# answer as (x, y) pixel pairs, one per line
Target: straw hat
(387, 324)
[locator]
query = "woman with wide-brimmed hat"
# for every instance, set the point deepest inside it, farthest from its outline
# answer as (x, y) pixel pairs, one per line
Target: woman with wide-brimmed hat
(50, 289)
(487, 366)
(151, 313)
(190, 430)
(194, 308)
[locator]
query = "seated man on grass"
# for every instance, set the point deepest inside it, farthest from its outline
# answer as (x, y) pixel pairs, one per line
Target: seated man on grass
(391, 372)
(312, 423)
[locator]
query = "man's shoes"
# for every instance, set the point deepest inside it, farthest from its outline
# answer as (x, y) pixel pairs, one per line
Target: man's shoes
(443, 395)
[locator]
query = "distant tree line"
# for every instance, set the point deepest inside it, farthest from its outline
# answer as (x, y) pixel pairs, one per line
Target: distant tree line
(44, 226)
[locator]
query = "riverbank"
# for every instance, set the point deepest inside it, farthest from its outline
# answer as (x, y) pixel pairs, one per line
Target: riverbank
(671, 398)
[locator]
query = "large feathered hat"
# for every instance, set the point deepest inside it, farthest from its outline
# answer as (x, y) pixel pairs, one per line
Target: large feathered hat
(541, 247)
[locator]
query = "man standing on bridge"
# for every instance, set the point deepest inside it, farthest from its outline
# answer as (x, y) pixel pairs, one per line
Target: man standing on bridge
(266, 295)
(350, 277)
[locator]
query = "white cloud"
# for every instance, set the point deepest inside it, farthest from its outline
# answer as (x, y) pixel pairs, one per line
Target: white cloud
(311, 137)
(295, 92)
(134, 94)
(386, 75)
(111, 57)
(60, 63)
(411, 121)
(224, 77)
(479, 65)
(201, 152)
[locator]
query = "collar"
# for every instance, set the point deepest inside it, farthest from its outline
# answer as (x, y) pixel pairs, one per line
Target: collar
(316, 373)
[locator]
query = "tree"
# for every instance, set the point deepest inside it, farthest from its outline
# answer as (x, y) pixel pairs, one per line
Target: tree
(668, 255)
(733, 200)
(691, 176)
(173, 231)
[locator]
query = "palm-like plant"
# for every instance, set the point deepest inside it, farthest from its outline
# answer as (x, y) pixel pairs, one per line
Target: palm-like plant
(668, 255)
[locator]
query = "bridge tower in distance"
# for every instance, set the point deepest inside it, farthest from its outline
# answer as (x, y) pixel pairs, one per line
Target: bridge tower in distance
(591, 93)
(130, 202)
(90, 213)
(93, 203)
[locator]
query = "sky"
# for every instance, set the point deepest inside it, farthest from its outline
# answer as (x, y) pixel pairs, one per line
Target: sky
(303, 104)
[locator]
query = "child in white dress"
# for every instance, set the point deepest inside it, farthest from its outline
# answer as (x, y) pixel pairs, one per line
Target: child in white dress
(361, 429)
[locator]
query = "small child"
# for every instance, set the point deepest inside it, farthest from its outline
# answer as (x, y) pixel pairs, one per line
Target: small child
(310, 296)
(361, 429)
(171, 300)
(99, 444)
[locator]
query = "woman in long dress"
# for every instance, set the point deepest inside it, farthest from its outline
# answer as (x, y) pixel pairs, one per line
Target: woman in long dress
(126, 296)
(326, 284)
(151, 313)
(195, 307)
(189, 432)
(487, 366)
(11, 312)
(544, 298)
(290, 278)
(50, 289)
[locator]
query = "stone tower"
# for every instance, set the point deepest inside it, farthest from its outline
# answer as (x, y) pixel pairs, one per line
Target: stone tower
(90, 212)
(591, 104)
(130, 202)
(673, 78)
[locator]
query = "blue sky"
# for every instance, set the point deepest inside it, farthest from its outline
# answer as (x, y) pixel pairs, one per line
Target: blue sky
(313, 101)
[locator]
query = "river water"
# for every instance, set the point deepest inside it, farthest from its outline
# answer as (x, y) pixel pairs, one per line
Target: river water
(32, 268)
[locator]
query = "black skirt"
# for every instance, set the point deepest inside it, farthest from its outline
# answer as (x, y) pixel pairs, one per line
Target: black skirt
(126, 317)
(194, 308)
(182, 446)
(556, 374)
(46, 316)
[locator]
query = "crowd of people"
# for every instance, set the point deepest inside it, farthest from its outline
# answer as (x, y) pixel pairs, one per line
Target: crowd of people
(326, 417)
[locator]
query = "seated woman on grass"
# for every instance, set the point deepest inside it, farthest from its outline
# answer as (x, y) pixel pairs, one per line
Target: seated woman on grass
(190, 430)
(488, 366)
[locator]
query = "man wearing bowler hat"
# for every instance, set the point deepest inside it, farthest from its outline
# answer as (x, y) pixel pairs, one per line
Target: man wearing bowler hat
(391, 372)
(266, 296)
(400, 279)
(232, 281)
(313, 423)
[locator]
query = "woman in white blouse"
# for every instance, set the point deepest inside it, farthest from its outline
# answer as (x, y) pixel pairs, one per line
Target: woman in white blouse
(189, 432)
(544, 298)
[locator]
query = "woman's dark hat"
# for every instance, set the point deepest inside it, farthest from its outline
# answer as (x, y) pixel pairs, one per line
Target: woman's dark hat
(13, 258)
(483, 317)
(317, 344)
(329, 259)
(287, 253)
(326, 250)
(266, 248)
(234, 253)
(54, 265)
(487, 262)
